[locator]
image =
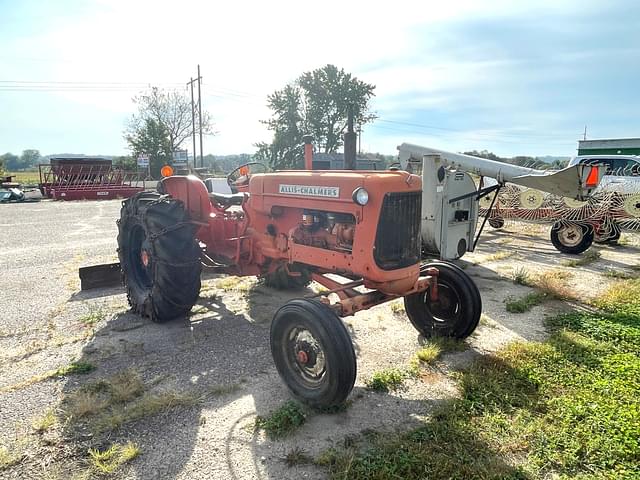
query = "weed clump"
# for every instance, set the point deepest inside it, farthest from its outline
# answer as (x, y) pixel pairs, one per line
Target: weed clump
(283, 421)
(387, 380)
(108, 461)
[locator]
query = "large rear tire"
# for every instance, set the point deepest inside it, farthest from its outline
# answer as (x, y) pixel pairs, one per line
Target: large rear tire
(572, 238)
(457, 311)
(159, 256)
(313, 353)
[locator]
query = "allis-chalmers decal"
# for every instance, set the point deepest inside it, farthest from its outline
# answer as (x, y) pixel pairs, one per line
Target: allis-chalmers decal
(310, 191)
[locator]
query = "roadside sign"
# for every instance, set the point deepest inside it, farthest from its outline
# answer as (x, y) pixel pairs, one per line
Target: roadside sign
(143, 160)
(180, 158)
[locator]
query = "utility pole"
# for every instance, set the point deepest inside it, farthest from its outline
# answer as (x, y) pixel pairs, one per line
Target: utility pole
(584, 137)
(193, 119)
(359, 139)
(193, 124)
(200, 116)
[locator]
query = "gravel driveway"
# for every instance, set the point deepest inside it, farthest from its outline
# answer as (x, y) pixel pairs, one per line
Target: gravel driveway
(216, 364)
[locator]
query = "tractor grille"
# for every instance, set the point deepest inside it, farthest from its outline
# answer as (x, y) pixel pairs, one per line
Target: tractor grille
(398, 237)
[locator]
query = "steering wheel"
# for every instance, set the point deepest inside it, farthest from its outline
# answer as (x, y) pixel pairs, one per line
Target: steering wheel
(238, 179)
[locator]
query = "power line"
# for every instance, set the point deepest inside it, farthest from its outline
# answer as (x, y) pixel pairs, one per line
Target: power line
(210, 90)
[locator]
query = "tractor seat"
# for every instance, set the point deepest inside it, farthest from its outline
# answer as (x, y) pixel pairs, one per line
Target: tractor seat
(226, 200)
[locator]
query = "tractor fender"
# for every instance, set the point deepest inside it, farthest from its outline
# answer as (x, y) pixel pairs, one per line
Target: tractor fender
(192, 192)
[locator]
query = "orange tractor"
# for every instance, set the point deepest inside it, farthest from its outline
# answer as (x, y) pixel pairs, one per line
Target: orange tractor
(355, 233)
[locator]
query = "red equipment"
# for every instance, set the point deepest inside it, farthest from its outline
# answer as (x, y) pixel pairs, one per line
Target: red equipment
(87, 179)
(289, 228)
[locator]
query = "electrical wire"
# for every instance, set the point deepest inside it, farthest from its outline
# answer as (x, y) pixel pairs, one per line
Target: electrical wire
(215, 91)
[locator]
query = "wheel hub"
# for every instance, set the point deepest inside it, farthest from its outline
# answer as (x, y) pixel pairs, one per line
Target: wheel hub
(307, 355)
(144, 258)
(447, 307)
(570, 235)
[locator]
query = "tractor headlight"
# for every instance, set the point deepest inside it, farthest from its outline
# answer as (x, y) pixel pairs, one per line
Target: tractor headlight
(360, 196)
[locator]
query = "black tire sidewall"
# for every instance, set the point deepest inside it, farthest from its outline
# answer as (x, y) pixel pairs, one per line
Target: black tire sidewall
(328, 329)
(175, 274)
(585, 243)
(470, 304)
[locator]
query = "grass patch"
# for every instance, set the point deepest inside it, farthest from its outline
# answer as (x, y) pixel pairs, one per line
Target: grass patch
(94, 316)
(25, 178)
(233, 284)
(108, 461)
(429, 353)
(521, 276)
(123, 398)
(10, 457)
(563, 408)
(587, 258)
(496, 257)
(553, 283)
(73, 368)
(435, 347)
(44, 422)
(549, 285)
(397, 307)
(283, 421)
(619, 274)
(526, 303)
(388, 380)
(621, 297)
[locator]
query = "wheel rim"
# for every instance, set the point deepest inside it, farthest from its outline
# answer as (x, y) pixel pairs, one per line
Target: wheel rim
(571, 235)
(446, 309)
(140, 257)
(305, 356)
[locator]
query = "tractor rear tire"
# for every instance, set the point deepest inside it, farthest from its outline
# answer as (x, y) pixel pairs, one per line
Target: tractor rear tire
(281, 280)
(313, 353)
(457, 311)
(573, 238)
(159, 256)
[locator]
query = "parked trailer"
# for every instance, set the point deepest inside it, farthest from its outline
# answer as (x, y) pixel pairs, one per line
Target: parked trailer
(87, 178)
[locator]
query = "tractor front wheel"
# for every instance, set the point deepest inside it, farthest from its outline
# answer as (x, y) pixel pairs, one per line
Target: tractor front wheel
(457, 310)
(159, 256)
(313, 353)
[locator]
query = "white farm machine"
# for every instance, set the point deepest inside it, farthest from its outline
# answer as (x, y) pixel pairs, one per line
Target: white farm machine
(451, 201)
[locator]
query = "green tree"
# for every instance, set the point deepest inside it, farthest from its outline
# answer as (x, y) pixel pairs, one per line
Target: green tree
(126, 162)
(317, 104)
(11, 162)
(29, 158)
(170, 111)
(151, 138)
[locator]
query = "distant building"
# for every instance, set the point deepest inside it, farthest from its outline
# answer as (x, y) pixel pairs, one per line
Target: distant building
(335, 161)
(609, 146)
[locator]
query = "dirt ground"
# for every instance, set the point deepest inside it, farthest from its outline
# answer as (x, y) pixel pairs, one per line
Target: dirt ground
(220, 355)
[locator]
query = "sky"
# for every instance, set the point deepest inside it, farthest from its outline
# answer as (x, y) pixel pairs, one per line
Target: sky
(512, 77)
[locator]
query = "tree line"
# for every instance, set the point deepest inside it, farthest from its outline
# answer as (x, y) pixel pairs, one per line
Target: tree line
(28, 160)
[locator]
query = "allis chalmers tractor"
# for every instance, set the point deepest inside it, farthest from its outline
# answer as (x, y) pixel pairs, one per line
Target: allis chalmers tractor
(355, 233)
